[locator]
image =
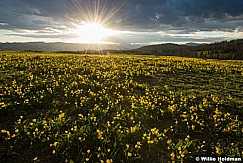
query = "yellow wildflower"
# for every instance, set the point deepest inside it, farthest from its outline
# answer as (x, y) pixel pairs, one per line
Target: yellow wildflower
(169, 141)
(99, 149)
(127, 145)
(35, 158)
(129, 154)
(218, 150)
(55, 144)
(109, 161)
(3, 131)
(193, 127)
(172, 155)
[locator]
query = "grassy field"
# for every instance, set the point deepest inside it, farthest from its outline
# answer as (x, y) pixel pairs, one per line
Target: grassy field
(119, 108)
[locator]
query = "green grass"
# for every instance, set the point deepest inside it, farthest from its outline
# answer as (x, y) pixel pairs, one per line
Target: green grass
(120, 108)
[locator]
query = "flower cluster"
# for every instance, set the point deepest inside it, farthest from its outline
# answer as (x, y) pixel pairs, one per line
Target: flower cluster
(89, 108)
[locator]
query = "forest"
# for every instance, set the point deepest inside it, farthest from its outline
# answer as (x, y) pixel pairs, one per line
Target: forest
(227, 50)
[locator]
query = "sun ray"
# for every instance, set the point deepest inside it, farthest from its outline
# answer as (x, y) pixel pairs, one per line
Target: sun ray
(92, 19)
(108, 18)
(97, 12)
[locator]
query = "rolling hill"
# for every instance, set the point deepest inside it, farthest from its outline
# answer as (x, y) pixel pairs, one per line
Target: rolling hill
(222, 50)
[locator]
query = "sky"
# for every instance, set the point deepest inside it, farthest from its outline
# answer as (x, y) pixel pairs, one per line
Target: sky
(121, 22)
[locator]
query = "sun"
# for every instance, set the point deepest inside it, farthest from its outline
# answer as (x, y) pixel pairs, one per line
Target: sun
(92, 33)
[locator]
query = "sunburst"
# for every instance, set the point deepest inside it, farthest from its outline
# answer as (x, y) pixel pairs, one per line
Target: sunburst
(93, 33)
(94, 22)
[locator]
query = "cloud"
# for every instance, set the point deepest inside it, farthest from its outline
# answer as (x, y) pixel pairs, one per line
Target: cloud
(133, 15)
(174, 17)
(184, 14)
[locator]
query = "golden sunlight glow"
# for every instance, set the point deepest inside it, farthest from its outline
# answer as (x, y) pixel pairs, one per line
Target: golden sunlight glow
(92, 33)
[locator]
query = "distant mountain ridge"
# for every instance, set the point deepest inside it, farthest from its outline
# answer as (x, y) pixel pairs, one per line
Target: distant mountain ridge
(55, 46)
(221, 50)
(166, 49)
(192, 44)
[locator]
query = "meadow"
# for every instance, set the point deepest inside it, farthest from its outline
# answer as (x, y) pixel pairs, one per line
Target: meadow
(118, 108)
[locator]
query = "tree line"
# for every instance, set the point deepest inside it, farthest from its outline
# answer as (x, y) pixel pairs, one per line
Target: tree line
(221, 50)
